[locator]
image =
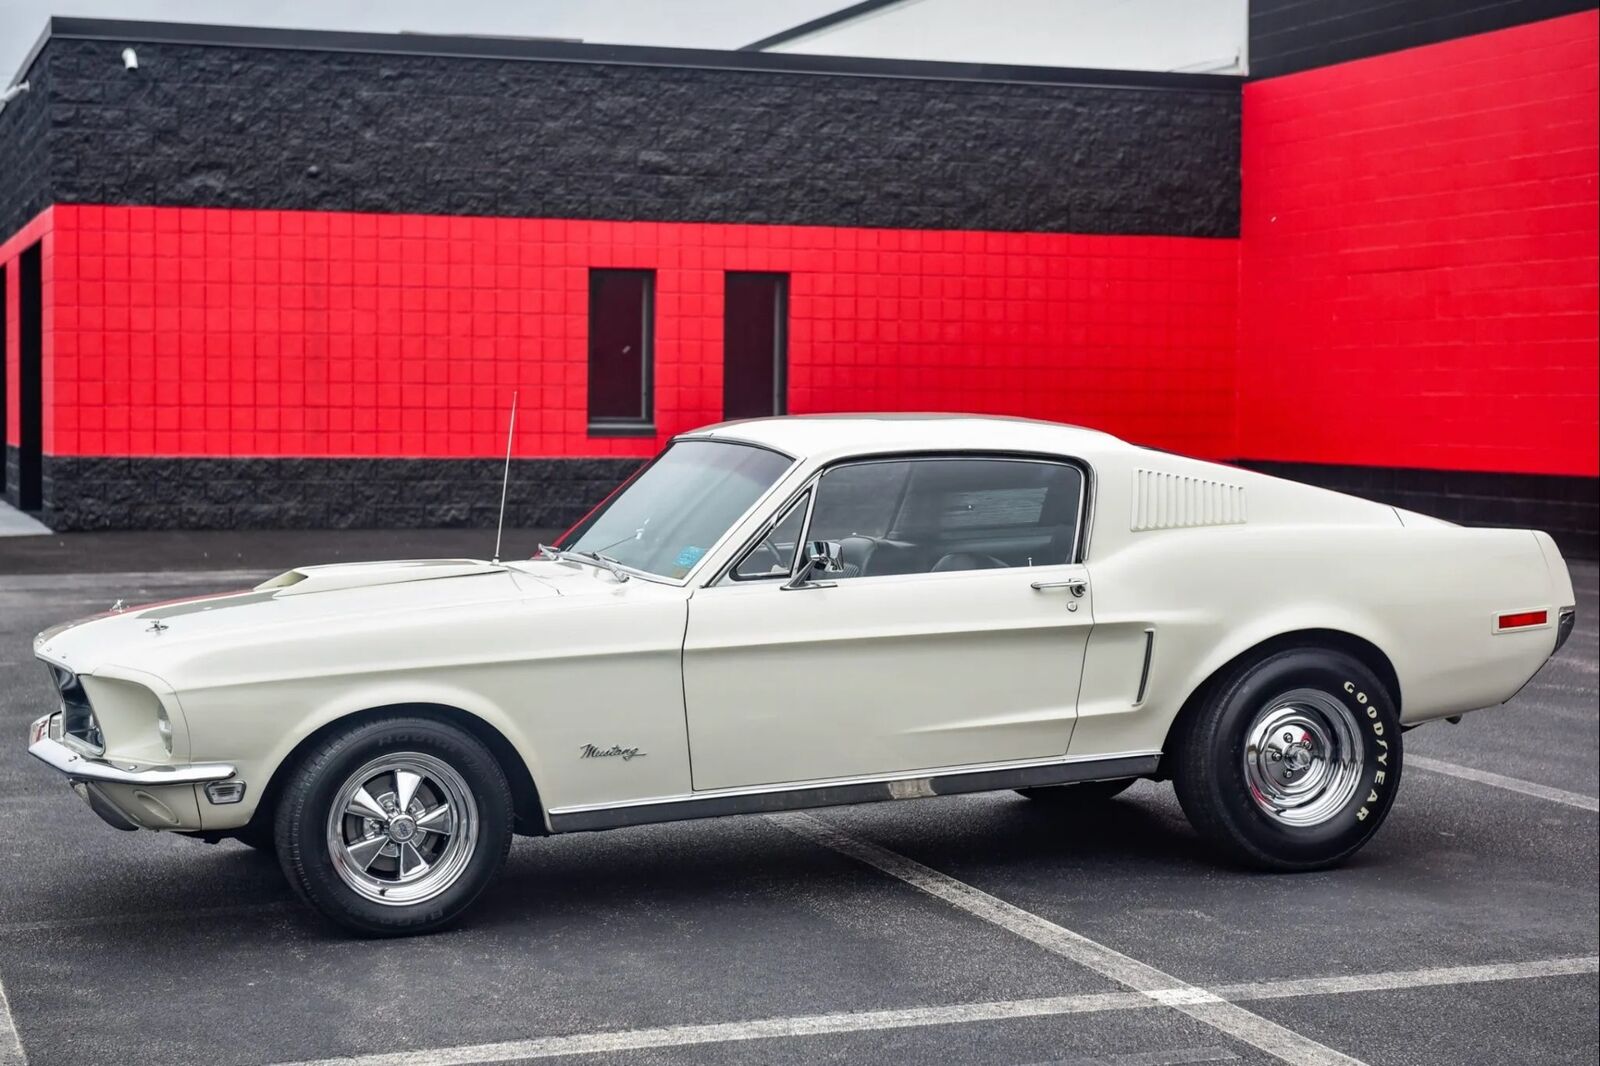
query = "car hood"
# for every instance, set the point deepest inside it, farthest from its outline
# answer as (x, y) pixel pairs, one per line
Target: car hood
(310, 600)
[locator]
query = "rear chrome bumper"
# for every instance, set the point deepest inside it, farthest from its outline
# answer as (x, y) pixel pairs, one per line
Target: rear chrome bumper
(1564, 626)
(77, 766)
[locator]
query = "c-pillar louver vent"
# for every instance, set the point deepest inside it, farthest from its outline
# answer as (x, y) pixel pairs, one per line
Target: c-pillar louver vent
(1175, 501)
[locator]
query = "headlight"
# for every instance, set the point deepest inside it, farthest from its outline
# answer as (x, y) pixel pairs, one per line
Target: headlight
(164, 727)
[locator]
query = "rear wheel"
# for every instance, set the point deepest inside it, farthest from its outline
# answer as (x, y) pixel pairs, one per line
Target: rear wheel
(1086, 793)
(395, 826)
(1292, 762)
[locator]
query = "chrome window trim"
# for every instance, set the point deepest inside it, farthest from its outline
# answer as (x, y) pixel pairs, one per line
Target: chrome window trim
(766, 530)
(1080, 536)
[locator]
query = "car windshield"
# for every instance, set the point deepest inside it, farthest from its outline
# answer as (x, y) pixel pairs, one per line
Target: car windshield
(673, 511)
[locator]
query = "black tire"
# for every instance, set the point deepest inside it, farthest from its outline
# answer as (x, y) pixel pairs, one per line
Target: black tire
(1213, 768)
(1085, 793)
(465, 768)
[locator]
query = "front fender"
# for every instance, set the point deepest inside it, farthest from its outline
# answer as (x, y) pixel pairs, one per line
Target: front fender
(385, 693)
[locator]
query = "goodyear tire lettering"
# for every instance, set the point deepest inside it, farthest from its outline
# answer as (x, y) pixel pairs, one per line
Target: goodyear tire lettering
(1379, 776)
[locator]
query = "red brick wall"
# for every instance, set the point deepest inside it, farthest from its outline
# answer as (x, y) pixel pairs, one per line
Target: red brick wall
(1419, 257)
(181, 331)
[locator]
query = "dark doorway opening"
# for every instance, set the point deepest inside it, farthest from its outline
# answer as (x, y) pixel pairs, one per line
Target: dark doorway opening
(30, 380)
(5, 376)
(755, 345)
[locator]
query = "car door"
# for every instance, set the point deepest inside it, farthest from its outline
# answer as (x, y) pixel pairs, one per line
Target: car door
(953, 637)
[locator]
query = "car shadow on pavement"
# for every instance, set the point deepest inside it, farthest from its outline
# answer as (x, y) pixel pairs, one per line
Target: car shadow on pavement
(692, 867)
(695, 863)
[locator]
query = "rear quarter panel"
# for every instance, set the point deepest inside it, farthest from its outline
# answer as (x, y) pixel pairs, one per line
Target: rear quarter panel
(1426, 596)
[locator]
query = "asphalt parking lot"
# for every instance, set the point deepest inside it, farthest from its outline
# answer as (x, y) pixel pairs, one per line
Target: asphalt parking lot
(977, 929)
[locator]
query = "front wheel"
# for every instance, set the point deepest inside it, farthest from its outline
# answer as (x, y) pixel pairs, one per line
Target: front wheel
(1292, 762)
(394, 826)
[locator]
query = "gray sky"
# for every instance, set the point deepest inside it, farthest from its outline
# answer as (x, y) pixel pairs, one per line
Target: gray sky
(685, 23)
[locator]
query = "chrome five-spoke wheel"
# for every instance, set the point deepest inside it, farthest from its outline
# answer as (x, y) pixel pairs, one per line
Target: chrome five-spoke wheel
(394, 825)
(1303, 757)
(402, 828)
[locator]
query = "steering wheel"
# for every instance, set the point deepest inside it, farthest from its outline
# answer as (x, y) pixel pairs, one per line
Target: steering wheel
(775, 565)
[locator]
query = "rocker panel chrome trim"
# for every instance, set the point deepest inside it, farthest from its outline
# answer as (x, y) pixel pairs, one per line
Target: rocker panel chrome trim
(914, 785)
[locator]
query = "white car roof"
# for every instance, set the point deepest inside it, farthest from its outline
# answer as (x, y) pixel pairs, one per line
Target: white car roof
(826, 436)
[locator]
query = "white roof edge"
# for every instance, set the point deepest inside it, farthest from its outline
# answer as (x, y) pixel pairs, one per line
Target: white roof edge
(807, 435)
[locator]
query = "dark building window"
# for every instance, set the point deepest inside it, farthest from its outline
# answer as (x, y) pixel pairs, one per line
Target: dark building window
(30, 380)
(755, 345)
(621, 350)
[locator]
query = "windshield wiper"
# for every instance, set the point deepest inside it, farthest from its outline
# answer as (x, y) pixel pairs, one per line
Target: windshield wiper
(587, 558)
(635, 535)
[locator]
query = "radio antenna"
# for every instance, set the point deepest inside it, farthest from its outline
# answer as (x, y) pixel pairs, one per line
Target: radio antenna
(505, 478)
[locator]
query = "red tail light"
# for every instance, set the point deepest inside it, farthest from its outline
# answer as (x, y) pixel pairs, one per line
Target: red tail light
(1523, 619)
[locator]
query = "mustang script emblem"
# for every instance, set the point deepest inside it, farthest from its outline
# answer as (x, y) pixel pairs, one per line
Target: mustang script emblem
(616, 751)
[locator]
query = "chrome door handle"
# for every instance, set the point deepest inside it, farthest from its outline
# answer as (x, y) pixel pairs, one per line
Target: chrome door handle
(1076, 585)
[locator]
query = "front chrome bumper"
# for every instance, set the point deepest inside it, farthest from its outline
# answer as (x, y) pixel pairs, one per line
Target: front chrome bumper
(77, 766)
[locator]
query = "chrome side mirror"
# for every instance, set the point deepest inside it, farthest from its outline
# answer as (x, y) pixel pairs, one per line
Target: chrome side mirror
(825, 556)
(818, 557)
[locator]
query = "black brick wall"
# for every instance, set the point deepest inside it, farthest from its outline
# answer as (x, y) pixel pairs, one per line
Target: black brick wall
(13, 461)
(159, 493)
(236, 126)
(24, 151)
(1291, 35)
(1568, 508)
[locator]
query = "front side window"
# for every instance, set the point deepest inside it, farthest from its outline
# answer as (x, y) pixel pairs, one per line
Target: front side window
(860, 500)
(671, 513)
(920, 516)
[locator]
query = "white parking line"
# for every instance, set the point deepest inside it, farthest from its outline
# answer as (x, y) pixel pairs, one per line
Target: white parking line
(1175, 1057)
(955, 1014)
(1197, 1003)
(759, 1029)
(136, 579)
(1385, 982)
(11, 1053)
(1511, 784)
(46, 925)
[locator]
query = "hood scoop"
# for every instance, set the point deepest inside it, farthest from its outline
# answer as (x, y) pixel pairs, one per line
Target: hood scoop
(308, 579)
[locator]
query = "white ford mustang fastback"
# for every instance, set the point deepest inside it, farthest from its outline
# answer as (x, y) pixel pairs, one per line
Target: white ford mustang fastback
(799, 612)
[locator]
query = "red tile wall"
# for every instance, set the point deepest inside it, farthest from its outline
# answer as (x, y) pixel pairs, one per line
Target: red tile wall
(1419, 257)
(276, 333)
(1416, 285)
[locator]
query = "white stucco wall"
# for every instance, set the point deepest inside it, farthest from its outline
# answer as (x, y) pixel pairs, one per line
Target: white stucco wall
(1201, 36)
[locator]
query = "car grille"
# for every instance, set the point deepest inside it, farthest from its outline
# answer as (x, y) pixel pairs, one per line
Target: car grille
(77, 717)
